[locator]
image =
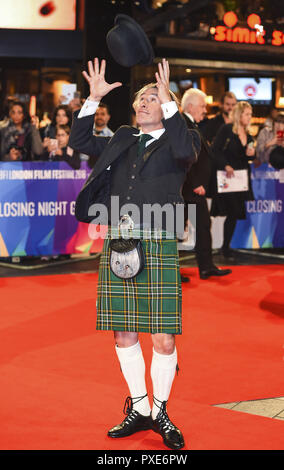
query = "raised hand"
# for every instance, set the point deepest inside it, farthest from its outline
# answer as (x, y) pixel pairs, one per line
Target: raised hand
(200, 190)
(229, 171)
(96, 79)
(163, 81)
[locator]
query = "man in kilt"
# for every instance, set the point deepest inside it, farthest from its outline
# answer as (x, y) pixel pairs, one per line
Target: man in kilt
(139, 173)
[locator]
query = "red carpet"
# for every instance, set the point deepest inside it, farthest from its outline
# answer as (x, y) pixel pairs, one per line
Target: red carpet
(60, 383)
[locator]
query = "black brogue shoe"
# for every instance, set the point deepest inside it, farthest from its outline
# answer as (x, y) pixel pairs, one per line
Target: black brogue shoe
(162, 425)
(133, 422)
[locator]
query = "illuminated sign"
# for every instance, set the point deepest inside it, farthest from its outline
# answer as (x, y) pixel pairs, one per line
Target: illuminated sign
(254, 34)
(258, 91)
(250, 91)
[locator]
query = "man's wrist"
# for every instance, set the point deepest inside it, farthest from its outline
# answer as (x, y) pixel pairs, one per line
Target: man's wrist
(169, 108)
(166, 99)
(94, 98)
(89, 108)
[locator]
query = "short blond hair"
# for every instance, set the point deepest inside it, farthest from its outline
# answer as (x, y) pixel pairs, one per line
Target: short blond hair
(148, 87)
(236, 114)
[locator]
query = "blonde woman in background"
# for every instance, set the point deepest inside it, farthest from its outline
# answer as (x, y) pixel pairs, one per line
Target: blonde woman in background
(233, 149)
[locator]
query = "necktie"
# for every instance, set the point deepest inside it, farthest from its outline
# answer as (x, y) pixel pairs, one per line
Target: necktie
(142, 143)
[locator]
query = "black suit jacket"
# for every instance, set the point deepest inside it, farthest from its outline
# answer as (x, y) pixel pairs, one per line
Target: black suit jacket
(161, 173)
(210, 127)
(200, 172)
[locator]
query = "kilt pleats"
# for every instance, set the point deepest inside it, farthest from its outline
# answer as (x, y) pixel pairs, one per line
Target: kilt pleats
(150, 302)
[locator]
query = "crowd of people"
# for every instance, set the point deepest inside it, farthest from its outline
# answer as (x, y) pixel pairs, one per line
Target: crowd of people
(226, 145)
(26, 138)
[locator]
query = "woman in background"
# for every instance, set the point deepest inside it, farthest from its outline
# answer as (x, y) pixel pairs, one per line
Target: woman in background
(19, 139)
(62, 116)
(233, 149)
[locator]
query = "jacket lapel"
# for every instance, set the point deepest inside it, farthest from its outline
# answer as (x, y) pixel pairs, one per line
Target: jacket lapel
(193, 125)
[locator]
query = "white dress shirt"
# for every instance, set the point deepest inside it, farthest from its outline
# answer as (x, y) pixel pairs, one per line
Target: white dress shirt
(189, 117)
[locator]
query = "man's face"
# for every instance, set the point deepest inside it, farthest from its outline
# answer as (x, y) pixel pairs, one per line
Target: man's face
(228, 105)
(197, 109)
(148, 110)
(101, 117)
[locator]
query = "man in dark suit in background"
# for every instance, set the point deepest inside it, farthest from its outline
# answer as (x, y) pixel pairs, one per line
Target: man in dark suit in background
(196, 186)
(210, 127)
(101, 119)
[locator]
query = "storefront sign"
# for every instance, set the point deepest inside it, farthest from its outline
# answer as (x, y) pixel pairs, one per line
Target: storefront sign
(253, 34)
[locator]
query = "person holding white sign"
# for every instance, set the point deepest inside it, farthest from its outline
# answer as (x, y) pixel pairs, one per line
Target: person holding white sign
(233, 148)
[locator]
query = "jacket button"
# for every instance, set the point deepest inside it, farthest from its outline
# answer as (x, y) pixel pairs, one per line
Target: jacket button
(134, 166)
(130, 187)
(133, 177)
(128, 198)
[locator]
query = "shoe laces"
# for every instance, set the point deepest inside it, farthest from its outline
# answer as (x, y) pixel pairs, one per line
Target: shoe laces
(162, 417)
(128, 408)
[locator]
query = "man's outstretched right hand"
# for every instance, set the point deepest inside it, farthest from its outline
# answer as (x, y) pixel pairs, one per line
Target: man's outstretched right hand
(96, 79)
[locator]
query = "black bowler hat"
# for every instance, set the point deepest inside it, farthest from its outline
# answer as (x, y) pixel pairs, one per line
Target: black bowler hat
(128, 43)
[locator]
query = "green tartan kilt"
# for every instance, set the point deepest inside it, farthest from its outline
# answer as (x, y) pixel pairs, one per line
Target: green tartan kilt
(150, 302)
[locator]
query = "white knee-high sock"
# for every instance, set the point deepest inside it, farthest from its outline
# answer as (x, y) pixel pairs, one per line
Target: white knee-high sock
(163, 370)
(133, 368)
